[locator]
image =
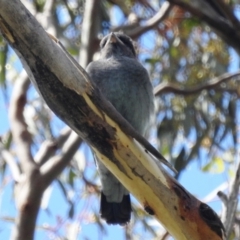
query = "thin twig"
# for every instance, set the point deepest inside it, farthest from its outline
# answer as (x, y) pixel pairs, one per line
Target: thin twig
(169, 87)
(223, 197)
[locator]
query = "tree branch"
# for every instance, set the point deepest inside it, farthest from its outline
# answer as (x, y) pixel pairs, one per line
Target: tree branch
(138, 30)
(21, 136)
(48, 148)
(46, 17)
(211, 84)
(55, 165)
(12, 165)
(90, 27)
(28, 198)
(231, 203)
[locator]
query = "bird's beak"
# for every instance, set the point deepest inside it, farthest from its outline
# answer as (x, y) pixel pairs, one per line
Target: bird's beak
(112, 38)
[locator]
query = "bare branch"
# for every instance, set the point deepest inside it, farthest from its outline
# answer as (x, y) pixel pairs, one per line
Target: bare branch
(53, 167)
(21, 135)
(29, 192)
(211, 84)
(12, 165)
(48, 148)
(135, 32)
(28, 200)
(46, 17)
(90, 27)
(223, 197)
(231, 202)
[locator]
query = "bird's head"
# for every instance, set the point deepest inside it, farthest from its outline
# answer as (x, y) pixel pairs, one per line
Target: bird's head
(117, 44)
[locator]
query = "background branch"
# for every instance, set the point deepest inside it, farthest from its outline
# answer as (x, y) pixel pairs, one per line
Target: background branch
(12, 164)
(211, 84)
(55, 165)
(230, 204)
(19, 128)
(136, 31)
(49, 147)
(90, 29)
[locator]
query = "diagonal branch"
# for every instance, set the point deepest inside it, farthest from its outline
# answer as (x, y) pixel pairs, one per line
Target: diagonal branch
(171, 88)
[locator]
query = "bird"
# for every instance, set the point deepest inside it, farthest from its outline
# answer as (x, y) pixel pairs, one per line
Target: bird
(126, 84)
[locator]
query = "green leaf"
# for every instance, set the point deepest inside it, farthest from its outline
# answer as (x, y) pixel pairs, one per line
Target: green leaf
(3, 60)
(71, 177)
(215, 166)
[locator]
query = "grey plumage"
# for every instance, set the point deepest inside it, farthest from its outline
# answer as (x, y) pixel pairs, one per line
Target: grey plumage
(125, 83)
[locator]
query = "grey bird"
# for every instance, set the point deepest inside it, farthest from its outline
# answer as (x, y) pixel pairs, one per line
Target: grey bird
(125, 83)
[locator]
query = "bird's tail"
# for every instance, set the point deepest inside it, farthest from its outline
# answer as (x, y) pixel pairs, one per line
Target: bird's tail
(116, 213)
